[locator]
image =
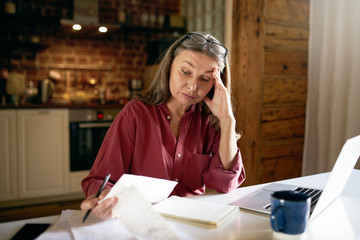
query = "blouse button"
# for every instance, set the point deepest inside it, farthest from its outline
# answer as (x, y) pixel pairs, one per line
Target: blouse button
(179, 155)
(168, 117)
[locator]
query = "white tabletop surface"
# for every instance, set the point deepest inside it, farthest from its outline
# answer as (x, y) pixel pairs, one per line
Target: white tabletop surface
(339, 221)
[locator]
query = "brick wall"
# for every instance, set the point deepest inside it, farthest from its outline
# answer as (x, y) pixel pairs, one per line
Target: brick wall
(111, 60)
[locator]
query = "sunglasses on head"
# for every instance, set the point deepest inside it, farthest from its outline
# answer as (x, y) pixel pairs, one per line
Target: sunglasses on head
(198, 39)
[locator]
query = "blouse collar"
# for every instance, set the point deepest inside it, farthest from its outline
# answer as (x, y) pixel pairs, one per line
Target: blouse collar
(192, 109)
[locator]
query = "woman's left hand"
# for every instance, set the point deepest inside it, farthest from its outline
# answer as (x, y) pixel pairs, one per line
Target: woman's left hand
(220, 104)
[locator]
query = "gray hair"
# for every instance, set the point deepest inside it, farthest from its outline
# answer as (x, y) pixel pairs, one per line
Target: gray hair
(159, 91)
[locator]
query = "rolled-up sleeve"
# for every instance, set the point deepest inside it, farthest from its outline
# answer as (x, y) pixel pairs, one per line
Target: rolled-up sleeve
(221, 180)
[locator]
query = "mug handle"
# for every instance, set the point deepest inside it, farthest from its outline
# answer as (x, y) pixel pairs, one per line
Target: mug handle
(278, 214)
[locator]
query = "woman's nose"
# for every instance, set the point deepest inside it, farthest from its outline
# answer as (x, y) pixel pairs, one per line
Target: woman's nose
(192, 84)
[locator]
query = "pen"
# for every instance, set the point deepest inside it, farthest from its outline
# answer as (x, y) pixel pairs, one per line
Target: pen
(97, 195)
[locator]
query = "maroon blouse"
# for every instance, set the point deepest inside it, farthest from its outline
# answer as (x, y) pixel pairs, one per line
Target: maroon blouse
(140, 141)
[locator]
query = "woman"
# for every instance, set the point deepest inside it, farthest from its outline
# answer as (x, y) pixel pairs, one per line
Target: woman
(182, 128)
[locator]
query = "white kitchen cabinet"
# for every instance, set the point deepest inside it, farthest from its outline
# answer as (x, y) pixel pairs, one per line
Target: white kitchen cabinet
(43, 152)
(8, 163)
(75, 180)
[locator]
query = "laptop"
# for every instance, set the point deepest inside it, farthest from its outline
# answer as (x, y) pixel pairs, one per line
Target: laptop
(259, 200)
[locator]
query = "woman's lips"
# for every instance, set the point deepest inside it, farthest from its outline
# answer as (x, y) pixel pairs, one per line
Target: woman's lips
(188, 96)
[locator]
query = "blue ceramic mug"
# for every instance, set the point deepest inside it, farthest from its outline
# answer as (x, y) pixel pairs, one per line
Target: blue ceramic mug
(289, 212)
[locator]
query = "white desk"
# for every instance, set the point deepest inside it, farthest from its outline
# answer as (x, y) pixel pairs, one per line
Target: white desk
(341, 220)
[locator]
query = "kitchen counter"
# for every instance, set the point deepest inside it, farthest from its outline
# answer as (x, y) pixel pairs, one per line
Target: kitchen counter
(70, 105)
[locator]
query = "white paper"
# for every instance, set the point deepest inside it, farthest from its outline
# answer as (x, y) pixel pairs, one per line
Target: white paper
(70, 227)
(95, 228)
(59, 230)
(135, 216)
(139, 216)
(153, 189)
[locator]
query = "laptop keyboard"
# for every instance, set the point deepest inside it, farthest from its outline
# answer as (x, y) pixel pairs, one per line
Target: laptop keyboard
(314, 195)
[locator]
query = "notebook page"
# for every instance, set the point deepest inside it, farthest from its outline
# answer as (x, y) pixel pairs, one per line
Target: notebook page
(195, 210)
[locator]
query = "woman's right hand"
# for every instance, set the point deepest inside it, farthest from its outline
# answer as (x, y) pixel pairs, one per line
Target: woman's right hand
(102, 210)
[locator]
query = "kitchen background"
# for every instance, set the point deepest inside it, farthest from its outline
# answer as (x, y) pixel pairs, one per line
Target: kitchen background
(60, 88)
(38, 41)
(87, 66)
(268, 43)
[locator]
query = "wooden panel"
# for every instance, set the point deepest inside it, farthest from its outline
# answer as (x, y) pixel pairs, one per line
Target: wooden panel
(286, 63)
(289, 11)
(286, 37)
(284, 90)
(269, 67)
(280, 169)
(247, 72)
(282, 112)
(283, 129)
(282, 148)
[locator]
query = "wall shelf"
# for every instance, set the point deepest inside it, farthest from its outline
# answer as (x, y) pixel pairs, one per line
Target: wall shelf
(23, 32)
(61, 66)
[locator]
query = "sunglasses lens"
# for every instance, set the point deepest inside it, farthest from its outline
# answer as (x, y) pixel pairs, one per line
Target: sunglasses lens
(218, 49)
(194, 38)
(214, 47)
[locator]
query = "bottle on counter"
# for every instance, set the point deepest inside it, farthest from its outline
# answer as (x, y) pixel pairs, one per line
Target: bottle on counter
(31, 91)
(3, 77)
(102, 95)
(122, 15)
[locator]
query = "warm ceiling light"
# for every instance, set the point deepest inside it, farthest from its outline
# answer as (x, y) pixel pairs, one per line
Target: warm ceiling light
(103, 29)
(92, 81)
(76, 27)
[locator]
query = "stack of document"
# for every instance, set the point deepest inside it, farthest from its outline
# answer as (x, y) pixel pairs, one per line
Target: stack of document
(135, 215)
(138, 220)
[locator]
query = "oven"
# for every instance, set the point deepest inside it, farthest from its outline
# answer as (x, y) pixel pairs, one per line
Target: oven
(88, 128)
